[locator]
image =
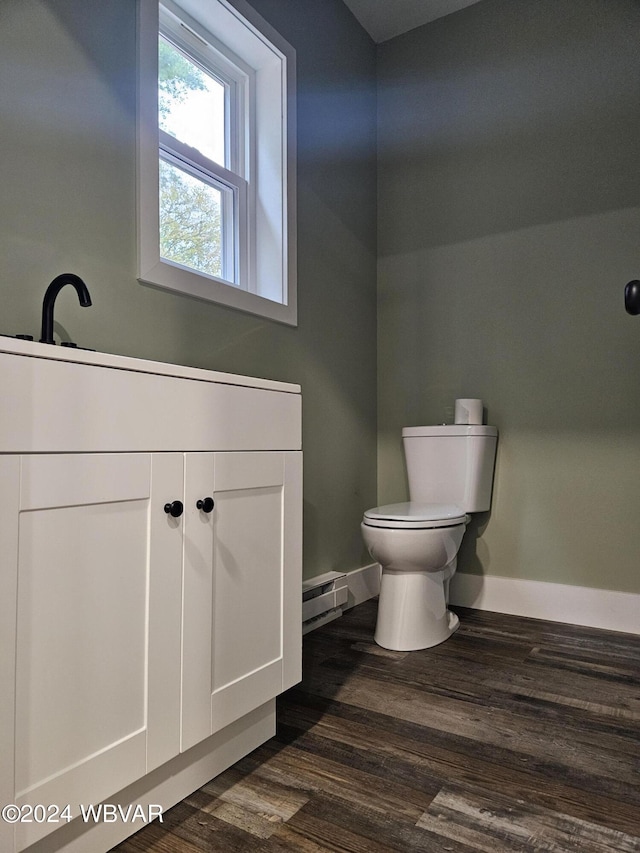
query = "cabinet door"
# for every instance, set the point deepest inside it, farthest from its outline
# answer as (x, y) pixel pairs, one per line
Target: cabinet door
(242, 586)
(79, 658)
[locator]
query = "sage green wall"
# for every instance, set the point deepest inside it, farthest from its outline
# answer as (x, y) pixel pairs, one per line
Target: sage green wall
(509, 223)
(67, 141)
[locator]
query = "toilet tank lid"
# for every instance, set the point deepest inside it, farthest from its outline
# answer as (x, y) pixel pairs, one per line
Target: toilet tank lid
(449, 429)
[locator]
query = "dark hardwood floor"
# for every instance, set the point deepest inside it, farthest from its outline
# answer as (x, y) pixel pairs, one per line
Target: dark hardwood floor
(514, 735)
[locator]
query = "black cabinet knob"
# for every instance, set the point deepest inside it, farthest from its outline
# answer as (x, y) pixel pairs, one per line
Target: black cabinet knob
(174, 509)
(205, 505)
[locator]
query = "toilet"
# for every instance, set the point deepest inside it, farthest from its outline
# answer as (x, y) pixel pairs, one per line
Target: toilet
(450, 472)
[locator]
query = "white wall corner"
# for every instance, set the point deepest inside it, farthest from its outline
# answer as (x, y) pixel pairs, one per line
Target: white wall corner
(575, 605)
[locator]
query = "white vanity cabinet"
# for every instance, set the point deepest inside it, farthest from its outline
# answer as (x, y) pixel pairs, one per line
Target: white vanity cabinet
(96, 581)
(141, 650)
(234, 595)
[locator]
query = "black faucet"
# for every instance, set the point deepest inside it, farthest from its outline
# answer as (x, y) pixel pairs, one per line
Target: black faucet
(50, 299)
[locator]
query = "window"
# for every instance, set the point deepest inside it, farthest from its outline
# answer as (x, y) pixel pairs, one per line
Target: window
(216, 159)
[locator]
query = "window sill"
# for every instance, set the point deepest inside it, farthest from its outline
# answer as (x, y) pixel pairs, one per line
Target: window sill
(168, 276)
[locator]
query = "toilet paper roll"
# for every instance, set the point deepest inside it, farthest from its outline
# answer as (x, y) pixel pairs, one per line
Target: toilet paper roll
(468, 411)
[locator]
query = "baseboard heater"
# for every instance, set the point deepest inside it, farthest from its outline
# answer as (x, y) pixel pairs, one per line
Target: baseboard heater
(322, 599)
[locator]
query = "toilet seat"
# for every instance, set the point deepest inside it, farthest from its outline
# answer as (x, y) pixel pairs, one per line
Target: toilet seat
(411, 515)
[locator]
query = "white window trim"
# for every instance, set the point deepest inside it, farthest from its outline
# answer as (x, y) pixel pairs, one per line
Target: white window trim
(271, 198)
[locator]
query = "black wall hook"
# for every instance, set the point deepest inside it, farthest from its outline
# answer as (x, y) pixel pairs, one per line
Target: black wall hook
(632, 297)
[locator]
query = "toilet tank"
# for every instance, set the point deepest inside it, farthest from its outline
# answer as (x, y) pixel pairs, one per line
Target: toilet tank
(451, 464)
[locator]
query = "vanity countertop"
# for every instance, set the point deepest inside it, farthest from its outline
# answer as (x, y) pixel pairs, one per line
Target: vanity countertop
(34, 349)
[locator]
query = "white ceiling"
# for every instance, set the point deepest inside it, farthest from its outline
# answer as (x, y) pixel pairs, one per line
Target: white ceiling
(384, 19)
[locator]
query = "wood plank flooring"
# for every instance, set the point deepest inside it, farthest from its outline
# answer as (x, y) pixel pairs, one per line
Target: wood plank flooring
(514, 735)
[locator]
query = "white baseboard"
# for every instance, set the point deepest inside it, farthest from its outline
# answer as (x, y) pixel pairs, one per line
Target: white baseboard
(364, 583)
(575, 605)
(555, 602)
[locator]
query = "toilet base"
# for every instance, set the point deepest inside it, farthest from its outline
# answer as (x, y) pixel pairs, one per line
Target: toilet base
(412, 610)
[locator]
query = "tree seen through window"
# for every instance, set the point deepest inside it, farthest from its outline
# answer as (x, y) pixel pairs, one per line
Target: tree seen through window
(190, 108)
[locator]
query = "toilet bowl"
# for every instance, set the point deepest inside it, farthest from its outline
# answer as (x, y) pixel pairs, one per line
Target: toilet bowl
(416, 545)
(450, 471)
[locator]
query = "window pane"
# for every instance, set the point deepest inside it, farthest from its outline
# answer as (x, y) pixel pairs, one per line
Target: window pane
(192, 222)
(191, 103)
